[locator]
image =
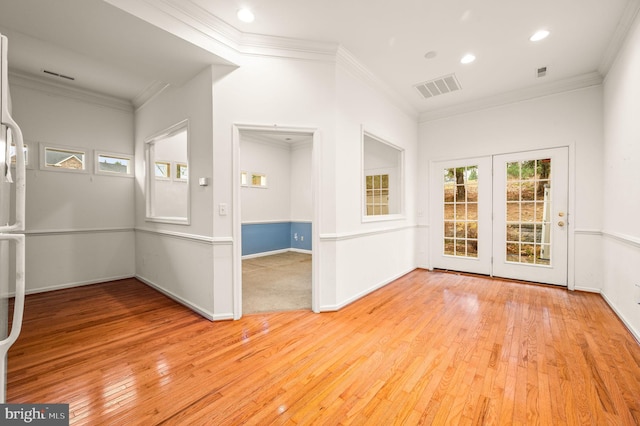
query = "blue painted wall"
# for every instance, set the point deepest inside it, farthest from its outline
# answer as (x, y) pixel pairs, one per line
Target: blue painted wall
(265, 237)
(303, 232)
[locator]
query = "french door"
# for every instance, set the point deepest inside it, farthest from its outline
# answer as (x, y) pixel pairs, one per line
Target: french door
(502, 215)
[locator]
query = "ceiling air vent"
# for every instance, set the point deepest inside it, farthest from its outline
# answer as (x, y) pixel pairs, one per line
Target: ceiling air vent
(541, 72)
(438, 86)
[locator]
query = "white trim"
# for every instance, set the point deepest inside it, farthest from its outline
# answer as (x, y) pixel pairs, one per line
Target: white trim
(198, 309)
(78, 284)
(627, 19)
(271, 253)
(622, 238)
(189, 237)
(266, 222)
(303, 251)
(358, 234)
(52, 232)
(588, 289)
(52, 88)
(336, 307)
(348, 61)
(592, 232)
(527, 93)
(264, 254)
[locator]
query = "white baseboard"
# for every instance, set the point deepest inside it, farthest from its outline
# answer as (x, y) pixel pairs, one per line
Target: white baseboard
(303, 251)
(199, 310)
(74, 284)
(588, 289)
(271, 253)
(337, 307)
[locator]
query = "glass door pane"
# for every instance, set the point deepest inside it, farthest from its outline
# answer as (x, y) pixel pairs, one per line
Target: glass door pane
(461, 215)
(460, 237)
(528, 207)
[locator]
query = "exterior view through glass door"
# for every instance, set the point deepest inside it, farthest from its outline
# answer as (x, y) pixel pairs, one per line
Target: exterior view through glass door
(503, 215)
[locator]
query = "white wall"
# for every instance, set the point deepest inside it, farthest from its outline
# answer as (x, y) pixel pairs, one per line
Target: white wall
(317, 94)
(301, 182)
(79, 226)
(179, 259)
(621, 245)
(368, 255)
(271, 91)
(571, 118)
(289, 180)
(270, 204)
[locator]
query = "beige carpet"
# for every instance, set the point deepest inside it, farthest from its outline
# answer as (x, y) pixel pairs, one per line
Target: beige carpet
(281, 282)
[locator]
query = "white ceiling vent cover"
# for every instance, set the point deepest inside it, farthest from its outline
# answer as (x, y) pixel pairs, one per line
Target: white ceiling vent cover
(438, 86)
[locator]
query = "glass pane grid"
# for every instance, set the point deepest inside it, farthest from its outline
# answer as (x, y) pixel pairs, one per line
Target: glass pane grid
(377, 195)
(528, 212)
(461, 212)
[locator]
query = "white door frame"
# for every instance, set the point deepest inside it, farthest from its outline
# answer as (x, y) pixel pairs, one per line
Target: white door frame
(571, 284)
(482, 263)
(236, 209)
(558, 272)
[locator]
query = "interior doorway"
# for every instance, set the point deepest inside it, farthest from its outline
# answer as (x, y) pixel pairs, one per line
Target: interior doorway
(503, 215)
(273, 219)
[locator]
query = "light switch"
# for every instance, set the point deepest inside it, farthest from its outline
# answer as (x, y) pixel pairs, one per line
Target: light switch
(222, 209)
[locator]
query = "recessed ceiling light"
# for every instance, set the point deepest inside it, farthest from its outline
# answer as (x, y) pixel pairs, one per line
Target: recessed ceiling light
(245, 15)
(539, 35)
(431, 54)
(467, 59)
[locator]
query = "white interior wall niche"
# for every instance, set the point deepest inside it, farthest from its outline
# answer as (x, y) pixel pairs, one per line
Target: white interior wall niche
(167, 196)
(380, 157)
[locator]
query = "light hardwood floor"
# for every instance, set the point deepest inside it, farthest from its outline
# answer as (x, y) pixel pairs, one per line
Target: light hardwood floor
(429, 348)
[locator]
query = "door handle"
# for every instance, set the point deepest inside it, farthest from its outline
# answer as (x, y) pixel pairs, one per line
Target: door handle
(561, 223)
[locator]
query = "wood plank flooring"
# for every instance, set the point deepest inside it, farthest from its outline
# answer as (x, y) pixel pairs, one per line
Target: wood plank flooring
(429, 348)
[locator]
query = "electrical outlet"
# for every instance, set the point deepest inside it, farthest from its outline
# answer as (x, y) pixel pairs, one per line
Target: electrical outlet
(301, 237)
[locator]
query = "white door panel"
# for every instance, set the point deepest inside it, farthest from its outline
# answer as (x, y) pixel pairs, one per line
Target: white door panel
(461, 215)
(530, 227)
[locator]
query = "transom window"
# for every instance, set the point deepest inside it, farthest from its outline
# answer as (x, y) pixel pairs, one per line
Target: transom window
(114, 164)
(63, 159)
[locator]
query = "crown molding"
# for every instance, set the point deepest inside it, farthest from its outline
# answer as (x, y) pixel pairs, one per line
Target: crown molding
(629, 16)
(154, 89)
(30, 81)
(350, 63)
(200, 27)
(524, 94)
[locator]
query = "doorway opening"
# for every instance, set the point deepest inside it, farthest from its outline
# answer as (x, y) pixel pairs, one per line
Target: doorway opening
(273, 219)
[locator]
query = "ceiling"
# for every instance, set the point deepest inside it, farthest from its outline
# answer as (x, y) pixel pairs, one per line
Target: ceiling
(112, 52)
